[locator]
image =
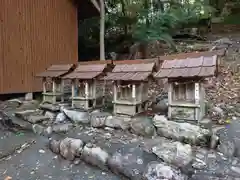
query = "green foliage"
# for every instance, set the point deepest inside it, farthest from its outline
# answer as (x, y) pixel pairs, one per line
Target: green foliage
(157, 28)
(143, 21)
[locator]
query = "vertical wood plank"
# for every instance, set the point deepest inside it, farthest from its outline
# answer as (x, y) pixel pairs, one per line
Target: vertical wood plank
(33, 35)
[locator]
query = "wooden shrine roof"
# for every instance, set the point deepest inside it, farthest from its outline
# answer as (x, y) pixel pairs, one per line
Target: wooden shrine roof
(88, 70)
(131, 71)
(200, 65)
(57, 70)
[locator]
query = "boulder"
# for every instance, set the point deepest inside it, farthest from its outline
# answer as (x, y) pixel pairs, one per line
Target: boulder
(50, 115)
(32, 104)
(77, 116)
(54, 146)
(130, 161)
(229, 139)
(161, 105)
(60, 118)
(118, 121)
(175, 153)
(12, 103)
(24, 114)
(62, 128)
(156, 170)
(50, 107)
(184, 132)
(70, 148)
(222, 41)
(94, 155)
(217, 114)
(143, 126)
(37, 119)
(98, 119)
(38, 129)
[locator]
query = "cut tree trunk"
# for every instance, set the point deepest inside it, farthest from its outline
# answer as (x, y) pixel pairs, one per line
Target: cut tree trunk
(102, 30)
(101, 8)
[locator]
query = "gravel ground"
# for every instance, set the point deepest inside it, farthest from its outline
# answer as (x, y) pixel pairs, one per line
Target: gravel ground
(38, 162)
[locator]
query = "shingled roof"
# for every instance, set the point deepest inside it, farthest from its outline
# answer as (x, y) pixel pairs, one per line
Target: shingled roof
(202, 66)
(57, 70)
(87, 71)
(133, 72)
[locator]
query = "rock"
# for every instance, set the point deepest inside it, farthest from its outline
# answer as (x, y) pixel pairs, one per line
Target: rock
(71, 148)
(156, 170)
(206, 123)
(15, 102)
(50, 115)
(95, 156)
(223, 43)
(161, 105)
(62, 127)
(131, 161)
(33, 104)
(24, 114)
(50, 107)
(98, 119)
(48, 131)
(184, 132)
(61, 117)
(143, 126)
(217, 114)
(175, 153)
(119, 122)
(77, 116)
(229, 139)
(37, 119)
(214, 141)
(32, 116)
(54, 146)
(38, 129)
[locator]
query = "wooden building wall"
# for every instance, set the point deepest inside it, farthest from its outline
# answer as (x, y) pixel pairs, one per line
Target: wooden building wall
(33, 35)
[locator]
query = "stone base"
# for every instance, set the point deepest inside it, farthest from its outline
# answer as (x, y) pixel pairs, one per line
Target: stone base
(188, 114)
(85, 104)
(129, 109)
(52, 97)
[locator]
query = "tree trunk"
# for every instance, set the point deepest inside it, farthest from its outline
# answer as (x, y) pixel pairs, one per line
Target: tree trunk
(102, 30)
(101, 8)
(143, 47)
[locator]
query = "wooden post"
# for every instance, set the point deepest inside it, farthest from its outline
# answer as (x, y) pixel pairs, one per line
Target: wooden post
(141, 92)
(44, 85)
(114, 96)
(86, 94)
(62, 90)
(134, 92)
(73, 91)
(44, 88)
(94, 91)
(170, 89)
(114, 92)
(54, 86)
(197, 100)
(103, 92)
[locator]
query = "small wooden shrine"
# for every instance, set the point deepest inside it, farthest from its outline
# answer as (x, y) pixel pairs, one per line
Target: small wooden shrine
(52, 76)
(131, 80)
(88, 89)
(186, 92)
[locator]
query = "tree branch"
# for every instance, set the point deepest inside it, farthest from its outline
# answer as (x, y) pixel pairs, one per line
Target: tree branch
(96, 4)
